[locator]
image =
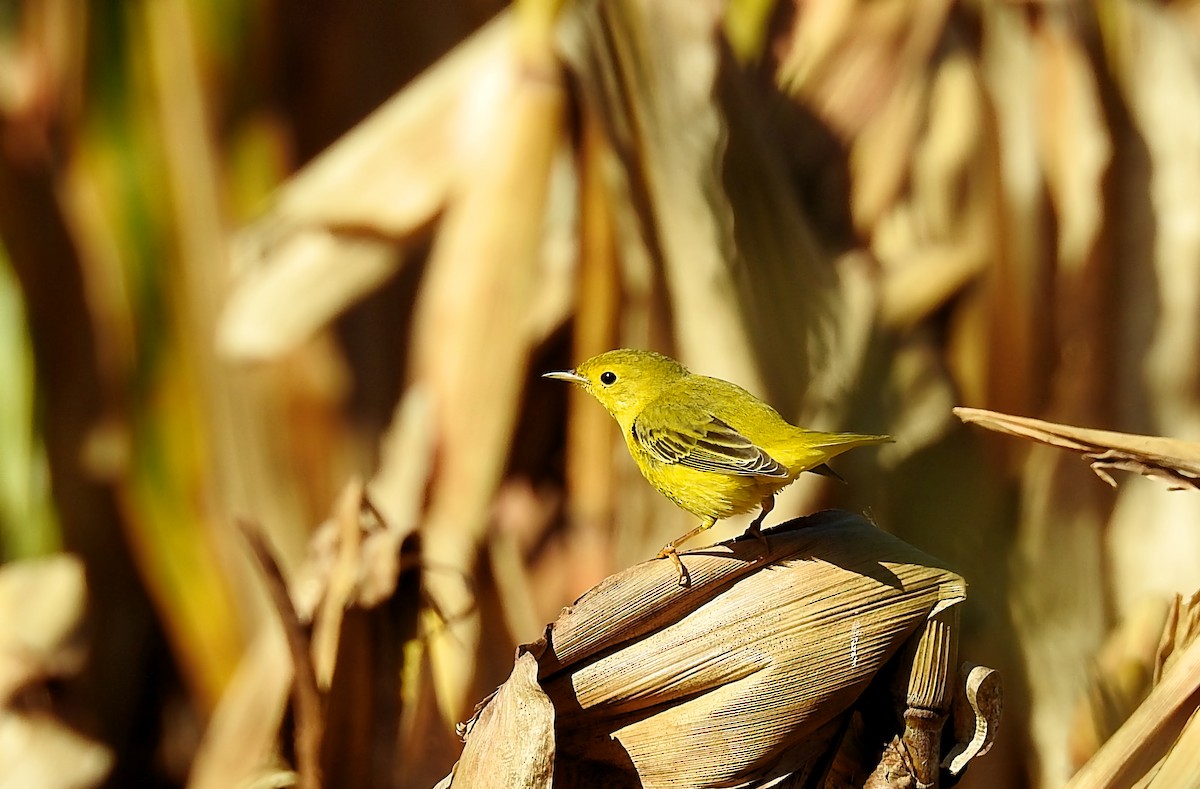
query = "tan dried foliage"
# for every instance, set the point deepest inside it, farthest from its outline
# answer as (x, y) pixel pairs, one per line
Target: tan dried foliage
(863, 212)
(1174, 461)
(747, 677)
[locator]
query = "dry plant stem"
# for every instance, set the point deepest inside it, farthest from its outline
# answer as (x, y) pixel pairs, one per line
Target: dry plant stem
(1128, 752)
(327, 626)
(306, 695)
(895, 769)
(929, 695)
(1181, 765)
(925, 693)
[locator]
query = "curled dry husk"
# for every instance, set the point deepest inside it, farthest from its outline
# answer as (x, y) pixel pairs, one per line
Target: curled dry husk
(745, 678)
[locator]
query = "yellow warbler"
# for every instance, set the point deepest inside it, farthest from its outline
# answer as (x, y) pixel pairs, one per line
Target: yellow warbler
(706, 444)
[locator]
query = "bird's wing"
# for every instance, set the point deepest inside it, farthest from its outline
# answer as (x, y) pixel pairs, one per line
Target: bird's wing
(692, 437)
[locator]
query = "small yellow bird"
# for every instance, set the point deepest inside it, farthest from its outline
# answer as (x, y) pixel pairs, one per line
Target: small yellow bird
(706, 444)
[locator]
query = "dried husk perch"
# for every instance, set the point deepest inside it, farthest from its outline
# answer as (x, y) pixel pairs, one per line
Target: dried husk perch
(829, 657)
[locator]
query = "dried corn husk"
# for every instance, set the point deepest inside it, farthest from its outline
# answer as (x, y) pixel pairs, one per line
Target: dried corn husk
(746, 676)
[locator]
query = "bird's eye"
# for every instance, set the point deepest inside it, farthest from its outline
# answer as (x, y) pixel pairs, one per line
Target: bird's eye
(608, 378)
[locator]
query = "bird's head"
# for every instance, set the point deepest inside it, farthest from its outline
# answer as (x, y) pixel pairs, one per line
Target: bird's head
(624, 381)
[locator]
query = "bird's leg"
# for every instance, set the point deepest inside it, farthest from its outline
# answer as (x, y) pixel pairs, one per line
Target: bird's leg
(671, 550)
(755, 527)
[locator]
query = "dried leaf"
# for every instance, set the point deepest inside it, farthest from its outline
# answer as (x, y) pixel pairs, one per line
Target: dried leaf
(298, 288)
(741, 676)
(1001, 355)
(41, 618)
(1073, 136)
(41, 753)
(341, 584)
(1153, 728)
(243, 731)
(510, 740)
(1172, 460)
(395, 171)
(939, 236)
(742, 679)
(330, 237)
(1181, 766)
(307, 697)
(1146, 41)
(1178, 633)
(698, 156)
(41, 615)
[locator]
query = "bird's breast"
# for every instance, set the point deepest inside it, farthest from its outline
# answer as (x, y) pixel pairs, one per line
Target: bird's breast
(707, 494)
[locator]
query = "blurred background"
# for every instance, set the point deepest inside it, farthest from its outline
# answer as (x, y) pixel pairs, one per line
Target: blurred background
(865, 213)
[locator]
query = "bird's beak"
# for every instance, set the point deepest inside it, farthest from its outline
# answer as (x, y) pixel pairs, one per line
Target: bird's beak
(568, 375)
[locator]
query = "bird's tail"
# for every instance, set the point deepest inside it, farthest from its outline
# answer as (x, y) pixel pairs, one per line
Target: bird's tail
(843, 441)
(822, 447)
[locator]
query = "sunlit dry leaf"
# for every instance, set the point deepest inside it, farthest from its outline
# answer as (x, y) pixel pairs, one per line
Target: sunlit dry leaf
(862, 68)
(360, 592)
(406, 455)
(1174, 461)
(307, 699)
(510, 740)
(1181, 766)
(310, 277)
(850, 60)
(42, 604)
(940, 235)
(41, 615)
(649, 71)
(590, 479)
(1073, 136)
(41, 753)
(394, 171)
(998, 348)
(1181, 629)
(1153, 60)
(471, 328)
(341, 582)
(243, 732)
(330, 236)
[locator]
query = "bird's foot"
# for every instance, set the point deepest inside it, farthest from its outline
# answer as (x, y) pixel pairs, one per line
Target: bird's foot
(755, 530)
(670, 552)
